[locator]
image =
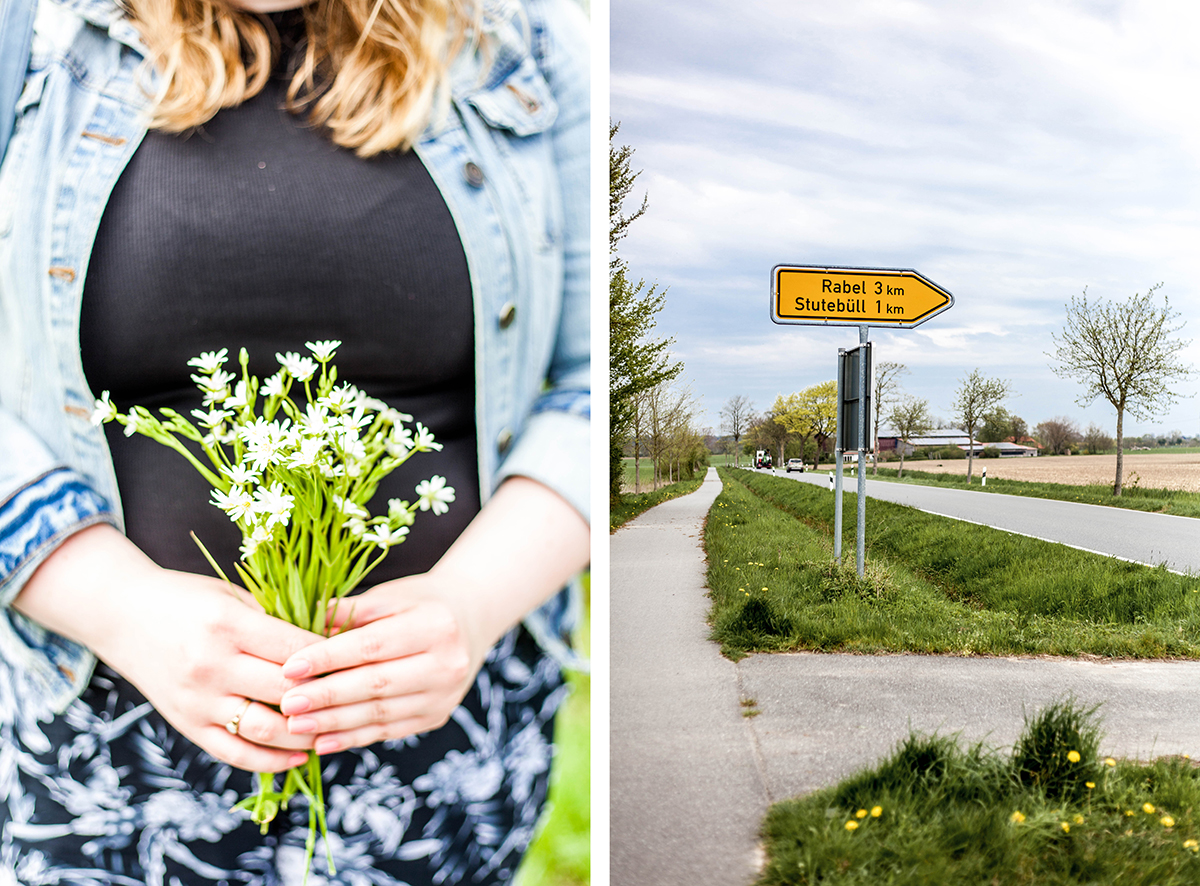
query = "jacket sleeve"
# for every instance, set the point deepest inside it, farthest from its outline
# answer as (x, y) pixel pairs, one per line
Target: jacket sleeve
(554, 446)
(42, 503)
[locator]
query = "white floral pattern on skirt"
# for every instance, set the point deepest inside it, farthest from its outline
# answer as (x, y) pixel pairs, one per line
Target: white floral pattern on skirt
(109, 794)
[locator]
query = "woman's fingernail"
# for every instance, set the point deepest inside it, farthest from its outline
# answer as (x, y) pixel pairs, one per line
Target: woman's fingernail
(326, 745)
(294, 704)
(297, 668)
(297, 760)
(302, 724)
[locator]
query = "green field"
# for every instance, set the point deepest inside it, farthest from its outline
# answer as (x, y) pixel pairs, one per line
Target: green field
(932, 585)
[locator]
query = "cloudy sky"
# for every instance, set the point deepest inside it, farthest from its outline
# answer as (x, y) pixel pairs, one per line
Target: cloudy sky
(1014, 153)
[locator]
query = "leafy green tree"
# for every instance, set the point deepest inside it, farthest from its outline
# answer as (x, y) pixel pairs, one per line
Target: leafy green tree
(976, 397)
(1000, 425)
(638, 361)
(911, 418)
(1125, 353)
(809, 414)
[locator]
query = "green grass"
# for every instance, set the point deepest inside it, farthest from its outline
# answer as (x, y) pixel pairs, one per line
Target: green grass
(1133, 497)
(934, 812)
(932, 585)
(632, 504)
(560, 854)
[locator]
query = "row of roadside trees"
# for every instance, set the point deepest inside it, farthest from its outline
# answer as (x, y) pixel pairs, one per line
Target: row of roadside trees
(650, 412)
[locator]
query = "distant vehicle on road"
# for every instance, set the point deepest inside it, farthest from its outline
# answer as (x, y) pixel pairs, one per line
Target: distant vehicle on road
(795, 464)
(762, 459)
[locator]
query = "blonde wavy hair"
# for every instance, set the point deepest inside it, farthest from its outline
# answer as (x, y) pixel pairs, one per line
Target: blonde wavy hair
(371, 72)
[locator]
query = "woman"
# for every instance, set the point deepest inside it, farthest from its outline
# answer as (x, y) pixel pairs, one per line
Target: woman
(421, 198)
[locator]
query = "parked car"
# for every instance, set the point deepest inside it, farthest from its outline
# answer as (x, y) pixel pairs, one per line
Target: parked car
(795, 464)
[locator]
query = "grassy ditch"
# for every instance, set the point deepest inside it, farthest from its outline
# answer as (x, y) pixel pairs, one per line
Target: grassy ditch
(1052, 812)
(932, 585)
(632, 504)
(1133, 497)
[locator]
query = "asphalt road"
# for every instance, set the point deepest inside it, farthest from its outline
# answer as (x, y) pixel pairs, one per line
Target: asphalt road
(691, 778)
(1147, 538)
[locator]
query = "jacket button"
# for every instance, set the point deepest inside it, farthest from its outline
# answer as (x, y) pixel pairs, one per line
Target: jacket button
(508, 313)
(473, 174)
(504, 441)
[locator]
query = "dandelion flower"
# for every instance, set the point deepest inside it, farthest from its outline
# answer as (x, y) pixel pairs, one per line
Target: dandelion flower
(1148, 808)
(1089, 784)
(876, 811)
(1109, 761)
(1167, 822)
(1078, 819)
(1129, 813)
(862, 813)
(852, 825)
(1017, 817)
(1192, 845)
(1073, 756)
(1066, 827)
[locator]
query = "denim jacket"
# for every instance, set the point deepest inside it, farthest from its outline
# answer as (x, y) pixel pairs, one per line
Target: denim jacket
(511, 161)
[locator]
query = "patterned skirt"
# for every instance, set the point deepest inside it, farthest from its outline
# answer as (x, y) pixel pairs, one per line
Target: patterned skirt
(110, 793)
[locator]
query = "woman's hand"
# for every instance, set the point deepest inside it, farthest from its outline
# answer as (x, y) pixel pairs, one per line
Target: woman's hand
(416, 644)
(403, 669)
(193, 648)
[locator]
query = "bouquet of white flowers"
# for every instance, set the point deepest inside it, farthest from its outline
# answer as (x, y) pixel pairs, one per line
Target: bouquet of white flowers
(296, 481)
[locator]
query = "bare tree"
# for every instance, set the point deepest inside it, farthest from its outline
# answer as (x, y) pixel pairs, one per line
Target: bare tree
(976, 397)
(1096, 440)
(735, 415)
(1125, 353)
(887, 392)
(1058, 434)
(911, 418)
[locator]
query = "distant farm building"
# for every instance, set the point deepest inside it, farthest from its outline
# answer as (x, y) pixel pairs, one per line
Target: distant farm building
(954, 437)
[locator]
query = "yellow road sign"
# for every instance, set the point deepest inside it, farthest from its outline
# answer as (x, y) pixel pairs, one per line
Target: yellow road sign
(810, 295)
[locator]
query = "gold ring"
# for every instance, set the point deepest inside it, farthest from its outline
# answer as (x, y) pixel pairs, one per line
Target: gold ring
(232, 725)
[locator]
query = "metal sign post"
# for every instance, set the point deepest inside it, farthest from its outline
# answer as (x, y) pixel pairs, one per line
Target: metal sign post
(817, 295)
(853, 432)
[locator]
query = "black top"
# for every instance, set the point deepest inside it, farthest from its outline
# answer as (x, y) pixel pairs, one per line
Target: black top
(256, 231)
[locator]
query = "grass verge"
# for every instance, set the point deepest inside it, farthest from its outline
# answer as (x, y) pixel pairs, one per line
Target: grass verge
(1133, 497)
(631, 505)
(932, 585)
(1051, 812)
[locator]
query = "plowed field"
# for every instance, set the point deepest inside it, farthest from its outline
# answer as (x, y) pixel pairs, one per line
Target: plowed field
(1150, 470)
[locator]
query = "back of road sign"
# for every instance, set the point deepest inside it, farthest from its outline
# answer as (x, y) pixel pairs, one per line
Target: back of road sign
(851, 435)
(808, 295)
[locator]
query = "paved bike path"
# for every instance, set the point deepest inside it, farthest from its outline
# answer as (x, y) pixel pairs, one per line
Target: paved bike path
(691, 778)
